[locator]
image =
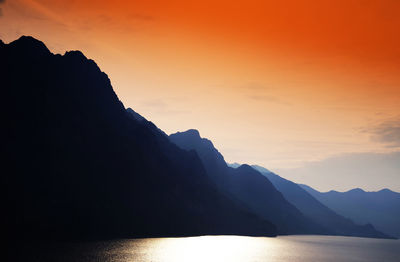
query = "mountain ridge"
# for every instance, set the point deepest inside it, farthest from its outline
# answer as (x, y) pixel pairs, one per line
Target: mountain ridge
(380, 208)
(316, 210)
(247, 186)
(81, 167)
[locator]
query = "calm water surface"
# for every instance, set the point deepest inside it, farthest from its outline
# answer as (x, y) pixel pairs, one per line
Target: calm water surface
(221, 248)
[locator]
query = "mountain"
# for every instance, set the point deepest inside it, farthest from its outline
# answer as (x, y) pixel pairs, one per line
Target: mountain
(234, 165)
(247, 186)
(149, 125)
(381, 209)
(315, 210)
(78, 165)
(135, 115)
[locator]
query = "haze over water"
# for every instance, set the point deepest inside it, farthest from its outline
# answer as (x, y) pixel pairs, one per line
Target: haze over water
(222, 248)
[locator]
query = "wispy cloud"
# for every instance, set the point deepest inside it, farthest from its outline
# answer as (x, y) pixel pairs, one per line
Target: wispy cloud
(386, 132)
(32, 9)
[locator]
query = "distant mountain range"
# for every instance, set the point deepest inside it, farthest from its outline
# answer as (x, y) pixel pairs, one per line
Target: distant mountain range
(314, 209)
(381, 209)
(79, 165)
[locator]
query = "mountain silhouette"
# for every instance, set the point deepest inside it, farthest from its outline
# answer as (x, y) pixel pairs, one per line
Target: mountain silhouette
(247, 186)
(315, 210)
(381, 208)
(78, 165)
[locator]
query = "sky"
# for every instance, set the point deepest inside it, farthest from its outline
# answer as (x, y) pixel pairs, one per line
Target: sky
(309, 89)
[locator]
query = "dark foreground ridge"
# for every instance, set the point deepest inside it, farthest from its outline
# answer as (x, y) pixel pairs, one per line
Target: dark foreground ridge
(79, 166)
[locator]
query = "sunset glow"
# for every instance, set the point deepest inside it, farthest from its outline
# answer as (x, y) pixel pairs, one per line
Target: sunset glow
(280, 84)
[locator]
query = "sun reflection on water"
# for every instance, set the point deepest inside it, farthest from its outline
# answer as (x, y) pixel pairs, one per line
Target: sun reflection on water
(211, 248)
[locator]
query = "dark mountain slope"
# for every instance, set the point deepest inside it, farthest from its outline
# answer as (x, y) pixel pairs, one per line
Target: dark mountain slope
(381, 209)
(78, 165)
(315, 210)
(248, 186)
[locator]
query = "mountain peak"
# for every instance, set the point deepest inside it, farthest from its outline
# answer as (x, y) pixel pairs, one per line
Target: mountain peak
(31, 45)
(234, 165)
(356, 190)
(192, 133)
(191, 140)
(385, 190)
(135, 115)
(29, 40)
(260, 169)
(76, 54)
(246, 167)
(189, 135)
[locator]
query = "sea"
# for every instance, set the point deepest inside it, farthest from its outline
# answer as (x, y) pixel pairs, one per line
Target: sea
(217, 248)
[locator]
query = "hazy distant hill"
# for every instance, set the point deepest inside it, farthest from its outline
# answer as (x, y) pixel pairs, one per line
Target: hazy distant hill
(78, 165)
(382, 208)
(315, 210)
(248, 186)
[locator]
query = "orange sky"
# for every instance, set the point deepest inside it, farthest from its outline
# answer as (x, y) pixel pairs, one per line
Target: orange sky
(275, 83)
